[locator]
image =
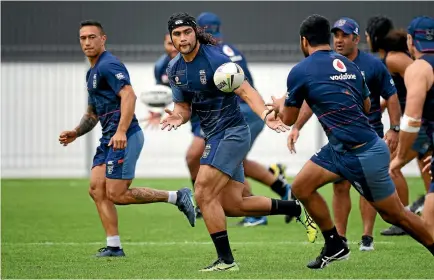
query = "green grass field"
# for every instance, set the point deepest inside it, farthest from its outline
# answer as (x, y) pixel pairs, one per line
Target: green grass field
(50, 229)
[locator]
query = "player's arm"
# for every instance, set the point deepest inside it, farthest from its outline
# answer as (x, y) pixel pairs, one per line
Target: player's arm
(304, 115)
(418, 79)
(295, 96)
(394, 109)
(88, 121)
(128, 105)
(252, 98)
(182, 109)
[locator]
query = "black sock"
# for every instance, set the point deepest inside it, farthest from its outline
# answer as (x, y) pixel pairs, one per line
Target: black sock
(221, 243)
(279, 187)
(431, 248)
(331, 236)
(285, 207)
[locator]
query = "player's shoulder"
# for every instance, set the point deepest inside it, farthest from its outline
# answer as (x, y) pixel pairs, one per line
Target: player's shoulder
(173, 63)
(214, 55)
(108, 60)
(211, 50)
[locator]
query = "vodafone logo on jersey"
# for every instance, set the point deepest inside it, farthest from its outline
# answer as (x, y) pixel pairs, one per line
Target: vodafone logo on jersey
(339, 65)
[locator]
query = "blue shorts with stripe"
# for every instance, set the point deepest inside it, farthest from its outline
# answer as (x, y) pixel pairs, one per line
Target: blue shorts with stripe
(366, 167)
(226, 151)
(120, 164)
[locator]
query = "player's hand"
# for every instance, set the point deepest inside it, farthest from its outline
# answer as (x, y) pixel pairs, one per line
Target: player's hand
(427, 166)
(275, 123)
(153, 121)
(391, 138)
(275, 105)
(292, 139)
(67, 137)
(118, 141)
(396, 164)
(171, 120)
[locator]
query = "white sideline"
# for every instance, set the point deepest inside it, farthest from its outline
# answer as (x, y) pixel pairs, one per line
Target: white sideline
(177, 243)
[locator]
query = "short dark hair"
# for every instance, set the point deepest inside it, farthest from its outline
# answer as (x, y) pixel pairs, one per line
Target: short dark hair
(377, 28)
(91, 22)
(395, 41)
(316, 29)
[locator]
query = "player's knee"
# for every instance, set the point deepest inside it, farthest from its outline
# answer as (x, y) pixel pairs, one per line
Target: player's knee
(393, 218)
(97, 190)
(341, 189)
(202, 194)
(116, 191)
(299, 192)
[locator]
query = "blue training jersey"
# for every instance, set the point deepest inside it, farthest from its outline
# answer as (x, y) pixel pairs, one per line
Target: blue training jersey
(160, 70)
(193, 82)
(104, 82)
(335, 89)
(379, 83)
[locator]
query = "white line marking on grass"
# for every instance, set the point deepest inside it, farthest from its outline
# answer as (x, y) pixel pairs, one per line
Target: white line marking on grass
(178, 243)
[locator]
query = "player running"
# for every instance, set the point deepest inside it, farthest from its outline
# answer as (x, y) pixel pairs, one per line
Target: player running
(220, 181)
(345, 39)
(112, 102)
(335, 89)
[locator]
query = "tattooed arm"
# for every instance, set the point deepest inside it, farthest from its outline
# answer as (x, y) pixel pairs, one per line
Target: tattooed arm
(88, 121)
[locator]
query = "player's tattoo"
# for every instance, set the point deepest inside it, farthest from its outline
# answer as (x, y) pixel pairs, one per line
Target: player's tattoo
(149, 195)
(88, 121)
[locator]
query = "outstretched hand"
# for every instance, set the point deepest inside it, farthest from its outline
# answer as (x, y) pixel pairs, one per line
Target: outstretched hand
(275, 123)
(171, 120)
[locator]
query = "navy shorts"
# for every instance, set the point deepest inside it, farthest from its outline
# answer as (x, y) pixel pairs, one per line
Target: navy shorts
(422, 144)
(227, 150)
(367, 168)
(255, 123)
(196, 130)
(120, 164)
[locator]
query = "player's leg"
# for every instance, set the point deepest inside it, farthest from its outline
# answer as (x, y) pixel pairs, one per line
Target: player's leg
(368, 218)
(120, 171)
(105, 207)
(254, 169)
(254, 220)
(194, 153)
(374, 183)
(402, 189)
(318, 171)
(341, 205)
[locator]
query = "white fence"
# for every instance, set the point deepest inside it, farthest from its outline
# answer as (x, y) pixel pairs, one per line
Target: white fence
(39, 100)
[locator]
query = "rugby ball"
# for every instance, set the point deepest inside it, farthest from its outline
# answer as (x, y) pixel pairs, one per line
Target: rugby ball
(228, 77)
(157, 96)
